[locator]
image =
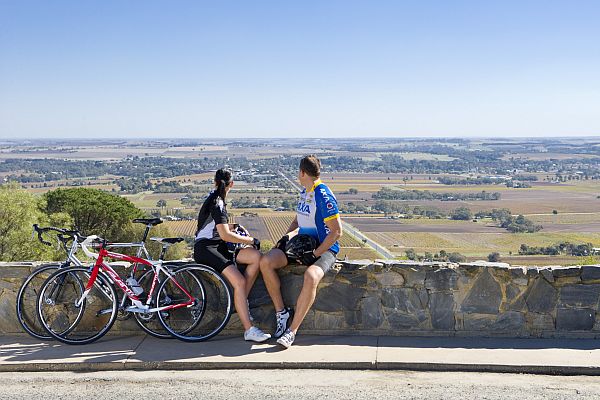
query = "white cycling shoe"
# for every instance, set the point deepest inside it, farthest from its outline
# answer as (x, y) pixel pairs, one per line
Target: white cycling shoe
(255, 334)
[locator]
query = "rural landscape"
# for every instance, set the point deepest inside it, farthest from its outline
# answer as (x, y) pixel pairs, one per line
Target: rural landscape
(520, 201)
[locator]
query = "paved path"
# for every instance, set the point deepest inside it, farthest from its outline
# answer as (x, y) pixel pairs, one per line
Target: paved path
(545, 356)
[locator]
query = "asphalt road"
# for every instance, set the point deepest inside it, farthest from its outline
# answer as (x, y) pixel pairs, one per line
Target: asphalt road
(294, 384)
(361, 237)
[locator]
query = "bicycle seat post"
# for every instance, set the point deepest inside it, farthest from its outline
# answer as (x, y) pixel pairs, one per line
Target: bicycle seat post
(163, 252)
(148, 226)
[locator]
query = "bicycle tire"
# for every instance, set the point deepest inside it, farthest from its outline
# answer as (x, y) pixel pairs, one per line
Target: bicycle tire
(27, 295)
(212, 312)
(57, 303)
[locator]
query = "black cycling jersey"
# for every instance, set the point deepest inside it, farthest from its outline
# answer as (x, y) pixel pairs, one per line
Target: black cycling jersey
(212, 213)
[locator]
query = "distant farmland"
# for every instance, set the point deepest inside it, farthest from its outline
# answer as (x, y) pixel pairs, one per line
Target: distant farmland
(273, 227)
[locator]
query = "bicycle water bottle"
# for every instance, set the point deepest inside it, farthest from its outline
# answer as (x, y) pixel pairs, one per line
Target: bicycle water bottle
(135, 286)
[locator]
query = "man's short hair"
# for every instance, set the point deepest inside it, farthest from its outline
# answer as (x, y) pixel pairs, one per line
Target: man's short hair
(311, 165)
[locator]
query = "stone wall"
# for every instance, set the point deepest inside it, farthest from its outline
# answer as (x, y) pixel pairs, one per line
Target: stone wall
(407, 298)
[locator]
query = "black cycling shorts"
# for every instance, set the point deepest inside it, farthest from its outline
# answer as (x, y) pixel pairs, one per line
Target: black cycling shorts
(213, 254)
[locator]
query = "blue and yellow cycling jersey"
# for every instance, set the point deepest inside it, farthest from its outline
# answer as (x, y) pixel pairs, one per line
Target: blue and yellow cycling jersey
(317, 206)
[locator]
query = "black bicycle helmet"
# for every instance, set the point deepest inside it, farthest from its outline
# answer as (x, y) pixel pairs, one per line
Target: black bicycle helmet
(299, 245)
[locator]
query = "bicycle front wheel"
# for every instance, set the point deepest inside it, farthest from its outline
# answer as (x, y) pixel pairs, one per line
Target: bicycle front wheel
(27, 301)
(212, 303)
(66, 317)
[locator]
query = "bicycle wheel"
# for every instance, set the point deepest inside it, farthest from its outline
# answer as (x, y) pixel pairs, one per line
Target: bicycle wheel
(211, 310)
(72, 322)
(27, 301)
(149, 322)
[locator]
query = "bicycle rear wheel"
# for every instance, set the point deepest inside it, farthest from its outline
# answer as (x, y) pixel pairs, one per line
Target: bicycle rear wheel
(27, 301)
(211, 310)
(72, 322)
(149, 322)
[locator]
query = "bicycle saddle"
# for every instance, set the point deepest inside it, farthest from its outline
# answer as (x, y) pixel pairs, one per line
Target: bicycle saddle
(148, 221)
(172, 240)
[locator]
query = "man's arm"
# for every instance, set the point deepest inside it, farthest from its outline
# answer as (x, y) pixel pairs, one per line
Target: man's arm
(335, 233)
(293, 226)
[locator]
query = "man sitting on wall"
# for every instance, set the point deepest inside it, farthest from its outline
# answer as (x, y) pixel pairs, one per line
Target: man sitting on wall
(317, 217)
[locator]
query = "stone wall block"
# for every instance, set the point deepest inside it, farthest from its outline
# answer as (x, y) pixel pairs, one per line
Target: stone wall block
(258, 294)
(542, 297)
(590, 272)
(539, 322)
(371, 313)
(338, 297)
(510, 321)
(398, 320)
(579, 296)
(8, 313)
(405, 300)
(574, 319)
(484, 297)
(515, 298)
(329, 320)
(478, 322)
(547, 273)
(441, 309)
(562, 272)
(291, 284)
(442, 279)
(413, 276)
(390, 278)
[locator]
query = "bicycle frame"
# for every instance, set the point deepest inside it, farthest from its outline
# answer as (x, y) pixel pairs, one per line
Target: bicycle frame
(139, 306)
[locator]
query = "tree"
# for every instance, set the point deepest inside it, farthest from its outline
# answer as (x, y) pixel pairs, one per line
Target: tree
(462, 214)
(19, 210)
(410, 254)
(161, 203)
(353, 191)
(494, 257)
(554, 212)
(94, 211)
(456, 257)
(443, 255)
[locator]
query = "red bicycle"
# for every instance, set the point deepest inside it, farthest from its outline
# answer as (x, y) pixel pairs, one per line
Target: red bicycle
(79, 305)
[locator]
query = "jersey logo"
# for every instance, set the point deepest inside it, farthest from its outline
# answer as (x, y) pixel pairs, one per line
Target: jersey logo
(329, 206)
(303, 208)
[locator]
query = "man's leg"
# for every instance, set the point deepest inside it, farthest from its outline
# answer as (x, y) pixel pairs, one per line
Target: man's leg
(269, 264)
(312, 277)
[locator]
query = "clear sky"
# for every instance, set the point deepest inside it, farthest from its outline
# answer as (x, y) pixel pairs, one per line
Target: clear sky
(194, 69)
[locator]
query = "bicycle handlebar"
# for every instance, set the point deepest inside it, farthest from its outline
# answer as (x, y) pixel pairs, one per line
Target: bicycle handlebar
(63, 234)
(87, 242)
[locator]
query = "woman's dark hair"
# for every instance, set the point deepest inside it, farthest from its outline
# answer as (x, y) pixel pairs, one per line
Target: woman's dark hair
(311, 166)
(222, 179)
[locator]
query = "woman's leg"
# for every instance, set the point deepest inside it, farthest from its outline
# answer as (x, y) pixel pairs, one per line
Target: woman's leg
(238, 282)
(250, 257)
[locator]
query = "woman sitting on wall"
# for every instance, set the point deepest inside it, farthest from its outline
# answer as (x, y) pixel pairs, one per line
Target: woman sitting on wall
(210, 248)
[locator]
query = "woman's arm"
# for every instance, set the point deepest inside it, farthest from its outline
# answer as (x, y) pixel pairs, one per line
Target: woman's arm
(233, 237)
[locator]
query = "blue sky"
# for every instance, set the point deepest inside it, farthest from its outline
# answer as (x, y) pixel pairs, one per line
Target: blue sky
(117, 69)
